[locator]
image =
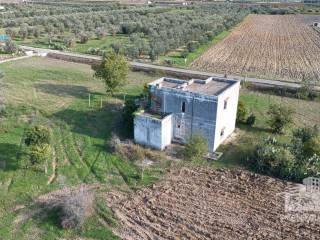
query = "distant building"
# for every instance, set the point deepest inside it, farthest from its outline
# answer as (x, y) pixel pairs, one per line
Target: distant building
(181, 108)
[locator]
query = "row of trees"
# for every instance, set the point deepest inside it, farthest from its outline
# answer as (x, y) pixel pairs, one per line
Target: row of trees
(152, 31)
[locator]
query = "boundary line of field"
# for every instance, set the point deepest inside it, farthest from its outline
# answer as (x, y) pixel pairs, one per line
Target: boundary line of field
(179, 72)
(14, 59)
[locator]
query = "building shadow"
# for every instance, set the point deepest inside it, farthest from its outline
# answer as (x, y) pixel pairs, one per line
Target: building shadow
(65, 90)
(9, 156)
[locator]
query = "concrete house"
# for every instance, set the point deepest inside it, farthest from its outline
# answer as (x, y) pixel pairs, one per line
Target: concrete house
(181, 108)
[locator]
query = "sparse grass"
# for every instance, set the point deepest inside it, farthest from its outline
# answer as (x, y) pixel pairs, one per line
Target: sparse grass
(104, 43)
(55, 93)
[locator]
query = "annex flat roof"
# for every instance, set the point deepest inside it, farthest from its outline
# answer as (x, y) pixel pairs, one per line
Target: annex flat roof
(211, 86)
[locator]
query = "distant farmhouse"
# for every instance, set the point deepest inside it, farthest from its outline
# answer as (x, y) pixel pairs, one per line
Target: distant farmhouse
(181, 108)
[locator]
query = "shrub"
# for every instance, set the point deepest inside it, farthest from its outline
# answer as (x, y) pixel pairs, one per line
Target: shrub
(296, 161)
(58, 46)
(279, 117)
(312, 146)
(74, 208)
(251, 119)
(37, 135)
(241, 112)
(40, 153)
(196, 147)
(272, 159)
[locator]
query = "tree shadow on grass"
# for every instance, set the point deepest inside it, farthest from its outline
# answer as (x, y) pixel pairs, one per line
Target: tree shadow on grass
(9, 156)
(65, 90)
(97, 123)
(255, 129)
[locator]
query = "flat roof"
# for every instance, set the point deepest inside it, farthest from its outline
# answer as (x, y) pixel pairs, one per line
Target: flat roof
(211, 86)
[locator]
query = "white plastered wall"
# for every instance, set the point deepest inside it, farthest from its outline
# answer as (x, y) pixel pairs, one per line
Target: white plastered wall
(226, 118)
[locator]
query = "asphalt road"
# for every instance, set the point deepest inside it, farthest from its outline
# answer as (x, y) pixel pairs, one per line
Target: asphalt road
(174, 70)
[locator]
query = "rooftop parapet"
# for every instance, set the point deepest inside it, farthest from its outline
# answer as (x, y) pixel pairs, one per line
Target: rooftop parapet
(212, 86)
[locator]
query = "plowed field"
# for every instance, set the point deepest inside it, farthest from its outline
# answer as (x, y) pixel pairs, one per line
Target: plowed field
(268, 46)
(209, 204)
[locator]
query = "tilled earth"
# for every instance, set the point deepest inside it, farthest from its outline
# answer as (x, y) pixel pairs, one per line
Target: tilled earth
(204, 203)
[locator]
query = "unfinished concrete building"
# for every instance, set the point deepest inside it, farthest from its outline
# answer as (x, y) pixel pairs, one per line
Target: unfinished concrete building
(181, 108)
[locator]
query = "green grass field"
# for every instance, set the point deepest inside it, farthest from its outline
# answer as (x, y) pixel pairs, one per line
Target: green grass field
(55, 93)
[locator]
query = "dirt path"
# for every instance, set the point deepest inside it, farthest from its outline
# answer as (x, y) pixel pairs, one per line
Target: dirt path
(54, 167)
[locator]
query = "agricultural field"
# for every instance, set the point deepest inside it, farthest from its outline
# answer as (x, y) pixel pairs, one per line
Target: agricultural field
(268, 46)
(202, 203)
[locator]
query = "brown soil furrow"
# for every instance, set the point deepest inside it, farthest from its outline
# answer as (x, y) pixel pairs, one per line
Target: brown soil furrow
(209, 204)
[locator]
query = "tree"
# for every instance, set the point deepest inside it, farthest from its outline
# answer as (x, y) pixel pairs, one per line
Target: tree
(10, 32)
(10, 47)
(196, 147)
(83, 37)
(23, 31)
(279, 117)
(113, 70)
(241, 113)
(69, 41)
